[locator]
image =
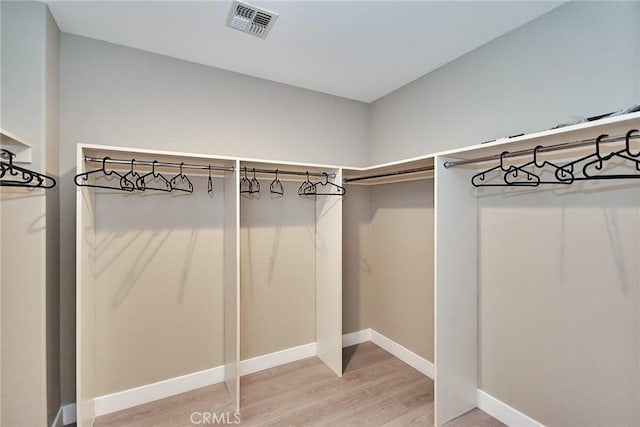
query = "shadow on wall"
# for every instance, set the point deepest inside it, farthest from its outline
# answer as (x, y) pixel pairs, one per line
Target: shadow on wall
(138, 232)
(558, 293)
(605, 207)
(276, 215)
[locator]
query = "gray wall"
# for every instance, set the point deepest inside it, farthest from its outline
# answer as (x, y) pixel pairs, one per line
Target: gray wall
(558, 308)
(158, 286)
(402, 258)
(29, 388)
(581, 59)
(125, 97)
(277, 273)
(387, 281)
(357, 247)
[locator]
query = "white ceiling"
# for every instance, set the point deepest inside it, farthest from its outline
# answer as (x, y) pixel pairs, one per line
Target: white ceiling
(355, 49)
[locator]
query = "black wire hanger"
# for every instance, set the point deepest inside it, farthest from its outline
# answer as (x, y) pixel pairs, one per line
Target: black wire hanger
(133, 176)
(562, 175)
(245, 183)
(325, 188)
(16, 176)
(591, 169)
(255, 184)
(210, 182)
(511, 176)
(305, 184)
(82, 179)
(181, 179)
(276, 186)
(145, 183)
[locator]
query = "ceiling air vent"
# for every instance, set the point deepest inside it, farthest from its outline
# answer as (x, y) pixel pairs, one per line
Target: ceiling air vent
(251, 19)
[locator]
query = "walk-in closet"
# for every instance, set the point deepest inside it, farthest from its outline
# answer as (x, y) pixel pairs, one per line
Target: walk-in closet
(328, 213)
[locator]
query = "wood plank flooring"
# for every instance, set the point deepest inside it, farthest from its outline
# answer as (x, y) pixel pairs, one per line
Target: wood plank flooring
(376, 389)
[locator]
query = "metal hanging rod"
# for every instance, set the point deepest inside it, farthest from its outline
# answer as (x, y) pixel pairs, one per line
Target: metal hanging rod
(383, 175)
(286, 172)
(159, 164)
(547, 149)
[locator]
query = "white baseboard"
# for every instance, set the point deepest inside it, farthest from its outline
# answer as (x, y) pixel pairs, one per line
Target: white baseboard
(407, 356)
(503, 412)
(357, 337)
(58, 420)
(159, 390)
(271, 360)
(150, 392)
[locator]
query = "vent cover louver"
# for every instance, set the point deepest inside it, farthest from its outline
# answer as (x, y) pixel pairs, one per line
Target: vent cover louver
(251, 19)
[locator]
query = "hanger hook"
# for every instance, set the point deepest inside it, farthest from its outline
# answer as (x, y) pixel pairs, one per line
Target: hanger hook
(9, 155)
(627, 140)
(104, 166)
(209, 171)
(181, 173)
(535, 156)
(502, 156)
(132, 162)
(598, 141)
(254, 173)
(276, 174)
(326, 177)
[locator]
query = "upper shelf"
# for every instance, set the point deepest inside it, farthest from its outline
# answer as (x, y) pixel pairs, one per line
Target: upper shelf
(392, 172)
(617, 125)
(16, 145)
(403, 171)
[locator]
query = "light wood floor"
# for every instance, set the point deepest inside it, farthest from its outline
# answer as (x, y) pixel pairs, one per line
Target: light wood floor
(376, 389)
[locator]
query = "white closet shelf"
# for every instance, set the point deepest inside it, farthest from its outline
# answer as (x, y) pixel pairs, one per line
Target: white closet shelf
(142, 155)
(17, 145)
(414, 169)
(582, 131)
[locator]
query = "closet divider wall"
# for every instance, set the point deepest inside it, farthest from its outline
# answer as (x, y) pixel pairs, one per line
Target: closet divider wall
(455, 294)
(329, 278)
(232, 284)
